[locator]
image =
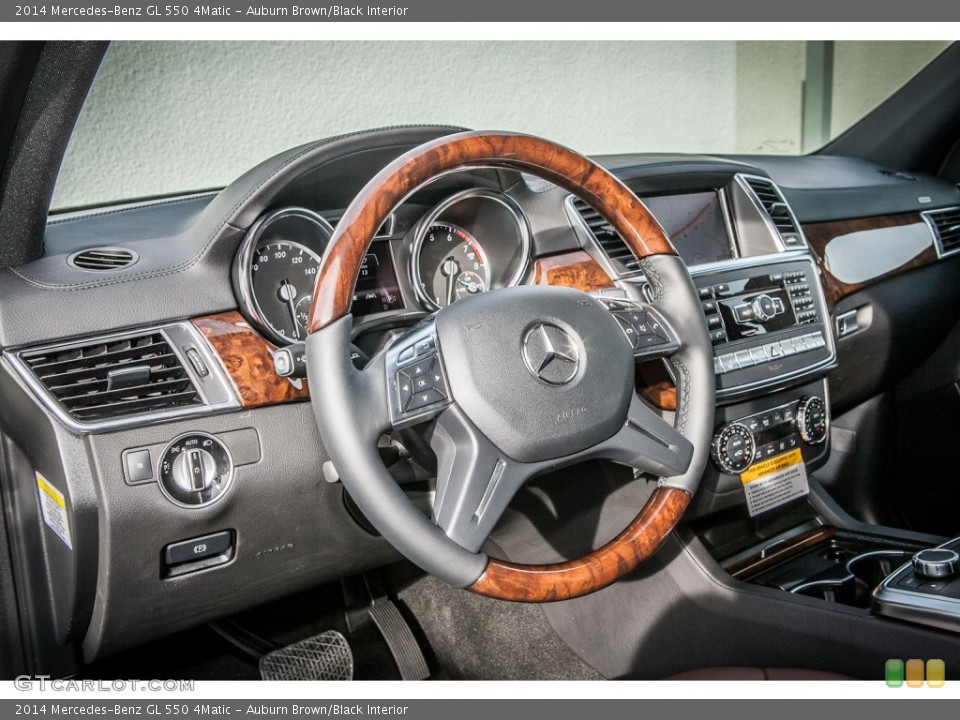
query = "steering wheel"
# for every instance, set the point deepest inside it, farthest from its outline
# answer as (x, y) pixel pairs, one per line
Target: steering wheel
(517, 381)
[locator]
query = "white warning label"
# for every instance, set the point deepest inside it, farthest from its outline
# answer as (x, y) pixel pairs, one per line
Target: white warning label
(54, 509)
(776, 481)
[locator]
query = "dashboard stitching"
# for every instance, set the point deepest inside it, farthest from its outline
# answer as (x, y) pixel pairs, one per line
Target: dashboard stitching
(223, 224)
(680, 163)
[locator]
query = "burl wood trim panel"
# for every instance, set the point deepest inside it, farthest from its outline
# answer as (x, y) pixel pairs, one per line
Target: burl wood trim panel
(563, 167)
(574, 269)
(820, 234)
(247, 358)
(802, 542)
(561, 581)
(654, 384)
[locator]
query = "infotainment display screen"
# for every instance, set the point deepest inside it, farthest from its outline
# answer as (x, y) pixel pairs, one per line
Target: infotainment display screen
(695, 224)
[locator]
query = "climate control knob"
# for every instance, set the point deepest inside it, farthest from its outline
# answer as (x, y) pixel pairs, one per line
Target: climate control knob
(936, 563)
(733, 448)
(812, 420)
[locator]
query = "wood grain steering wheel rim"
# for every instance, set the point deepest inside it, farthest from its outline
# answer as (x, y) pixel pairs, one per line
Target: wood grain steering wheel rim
(605, 193)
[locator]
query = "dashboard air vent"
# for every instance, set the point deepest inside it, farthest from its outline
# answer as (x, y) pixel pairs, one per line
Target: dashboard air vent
(114, 378)
(778, 210)
(103, 259)
(609, 240)
(946, 226)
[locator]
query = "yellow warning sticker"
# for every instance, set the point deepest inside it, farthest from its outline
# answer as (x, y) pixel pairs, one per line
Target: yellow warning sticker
(775, 481)
(780, 462)
(53, 507)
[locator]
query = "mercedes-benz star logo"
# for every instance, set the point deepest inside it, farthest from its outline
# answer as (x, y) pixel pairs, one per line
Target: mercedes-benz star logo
(551, 354)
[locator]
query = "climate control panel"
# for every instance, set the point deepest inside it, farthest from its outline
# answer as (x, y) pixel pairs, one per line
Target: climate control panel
(798, 424)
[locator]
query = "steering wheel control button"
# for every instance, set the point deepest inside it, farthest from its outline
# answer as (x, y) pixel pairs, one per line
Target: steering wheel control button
(138, 466)
(425, 346)
(733, 449)
(195, 470)
(198, 548)
(936, 563)
(406, 355)
(644, 330)
(419, 387)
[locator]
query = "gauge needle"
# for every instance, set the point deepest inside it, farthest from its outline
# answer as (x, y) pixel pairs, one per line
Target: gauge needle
(450, 269)
(288, 292)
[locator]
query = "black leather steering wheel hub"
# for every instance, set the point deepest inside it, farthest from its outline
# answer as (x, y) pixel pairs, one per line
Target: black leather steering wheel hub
(541, 371)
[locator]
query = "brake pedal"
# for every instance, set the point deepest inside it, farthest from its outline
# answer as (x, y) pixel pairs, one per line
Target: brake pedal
(326, 656)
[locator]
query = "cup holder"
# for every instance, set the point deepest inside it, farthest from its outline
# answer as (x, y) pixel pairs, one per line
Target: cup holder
(853, 581)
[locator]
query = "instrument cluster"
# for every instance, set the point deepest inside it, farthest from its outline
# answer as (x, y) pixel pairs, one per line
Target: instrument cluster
(471, 242)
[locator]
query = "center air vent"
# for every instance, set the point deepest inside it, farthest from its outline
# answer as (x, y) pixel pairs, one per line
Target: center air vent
(946, 227)
(776, 207)
(609, 240)
(114, 378)
(103, 259)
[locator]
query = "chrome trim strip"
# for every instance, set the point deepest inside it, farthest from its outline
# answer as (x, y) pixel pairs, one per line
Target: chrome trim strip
(215, 389)
(598, 254)
(741, 179)
(937, 240)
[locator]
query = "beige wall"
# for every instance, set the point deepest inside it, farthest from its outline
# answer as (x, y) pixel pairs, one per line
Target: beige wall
(866, 73)
(169, 117)
(164, 117)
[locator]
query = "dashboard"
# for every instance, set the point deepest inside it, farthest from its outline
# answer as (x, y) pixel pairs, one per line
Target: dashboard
(169, 351)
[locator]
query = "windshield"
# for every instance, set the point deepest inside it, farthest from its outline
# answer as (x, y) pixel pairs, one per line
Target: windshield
(174, 117)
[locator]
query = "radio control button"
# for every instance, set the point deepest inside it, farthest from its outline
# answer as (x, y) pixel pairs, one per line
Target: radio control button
(729, 362)
(743, 313)
(705, 293)
(718, 367)
(758, 355)
(743, 358)
(709, 307)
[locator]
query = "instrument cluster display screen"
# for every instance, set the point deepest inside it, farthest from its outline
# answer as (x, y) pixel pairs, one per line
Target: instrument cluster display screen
(377, 289)
(695, 224)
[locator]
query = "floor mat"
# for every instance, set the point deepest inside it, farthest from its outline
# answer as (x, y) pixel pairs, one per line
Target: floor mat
(468, 637)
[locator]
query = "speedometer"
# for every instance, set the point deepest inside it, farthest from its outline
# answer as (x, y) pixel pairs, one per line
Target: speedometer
(276, 270)
(282, 275)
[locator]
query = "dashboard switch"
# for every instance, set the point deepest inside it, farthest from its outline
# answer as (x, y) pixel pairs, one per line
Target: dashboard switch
(198, 548)
(138, 465)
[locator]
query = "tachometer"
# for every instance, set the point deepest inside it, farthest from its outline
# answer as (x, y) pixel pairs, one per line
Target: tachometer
(450, 265)
(474, 241)
(276, 271)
